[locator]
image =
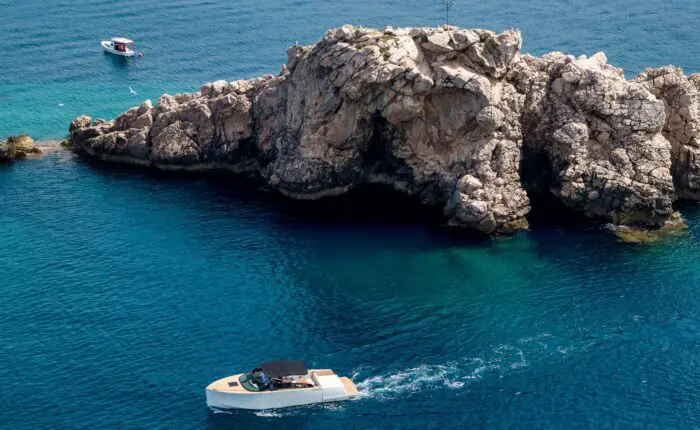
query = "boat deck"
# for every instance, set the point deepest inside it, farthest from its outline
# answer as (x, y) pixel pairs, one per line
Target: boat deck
(231, 384)
(224, 386)
(350, 387)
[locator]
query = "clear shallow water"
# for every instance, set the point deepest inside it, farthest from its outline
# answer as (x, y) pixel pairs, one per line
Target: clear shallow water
(124, 292)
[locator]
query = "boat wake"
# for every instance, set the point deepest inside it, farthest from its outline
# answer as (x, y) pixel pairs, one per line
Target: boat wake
(269, 414)
(497, 362)
(451, 375)
(298, 410)
(412, 380)
(282, 412)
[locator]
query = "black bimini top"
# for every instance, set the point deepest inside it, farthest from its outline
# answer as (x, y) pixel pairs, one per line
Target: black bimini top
(277, 369)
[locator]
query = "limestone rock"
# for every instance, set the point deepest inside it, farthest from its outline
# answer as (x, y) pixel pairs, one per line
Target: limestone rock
(437, 42)
(602, 137)
(80, 122)
(679, 95)
(450, 116)
(18, 147)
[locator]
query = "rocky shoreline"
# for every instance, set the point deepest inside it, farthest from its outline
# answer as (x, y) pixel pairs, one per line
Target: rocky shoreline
(18, 148)
(458, 118)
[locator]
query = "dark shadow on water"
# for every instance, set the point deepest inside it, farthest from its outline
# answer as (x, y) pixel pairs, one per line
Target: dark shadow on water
(688, 208)
(372, 206)
(549, 213)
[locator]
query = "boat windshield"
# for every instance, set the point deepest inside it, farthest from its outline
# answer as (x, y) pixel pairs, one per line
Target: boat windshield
(255, 380)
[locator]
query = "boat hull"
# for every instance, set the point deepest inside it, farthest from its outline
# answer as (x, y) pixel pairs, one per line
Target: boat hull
(264, 400)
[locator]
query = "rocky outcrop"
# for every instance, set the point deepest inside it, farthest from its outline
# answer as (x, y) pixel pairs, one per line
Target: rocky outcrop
(18, 147)
(445, 115)
(679, 95)
(601, 135)
(673, 228)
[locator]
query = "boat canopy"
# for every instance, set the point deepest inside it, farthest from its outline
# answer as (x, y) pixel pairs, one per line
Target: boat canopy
(122, 40)
(278, 369)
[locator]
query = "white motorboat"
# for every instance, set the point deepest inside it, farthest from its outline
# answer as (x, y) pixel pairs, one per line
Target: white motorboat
(119, 46)
(279, 384)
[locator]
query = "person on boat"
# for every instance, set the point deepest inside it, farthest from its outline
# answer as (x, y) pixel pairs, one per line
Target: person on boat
(265, 381)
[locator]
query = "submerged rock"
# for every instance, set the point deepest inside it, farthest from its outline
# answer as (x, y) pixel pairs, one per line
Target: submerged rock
(446, 115)
(672, 228)
(18, 147)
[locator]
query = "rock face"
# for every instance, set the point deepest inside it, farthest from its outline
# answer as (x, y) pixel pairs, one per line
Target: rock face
(17, 147)
(601, 135)
(450, 116)
(679, 95)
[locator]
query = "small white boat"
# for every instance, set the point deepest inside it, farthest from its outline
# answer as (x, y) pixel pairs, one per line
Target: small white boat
(279, 384)
(119, 46)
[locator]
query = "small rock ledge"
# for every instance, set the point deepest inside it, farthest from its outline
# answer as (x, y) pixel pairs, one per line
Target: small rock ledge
(18, 147)
(447, 115)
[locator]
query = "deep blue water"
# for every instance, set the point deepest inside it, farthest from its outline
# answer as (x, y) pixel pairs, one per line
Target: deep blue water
(124, 292)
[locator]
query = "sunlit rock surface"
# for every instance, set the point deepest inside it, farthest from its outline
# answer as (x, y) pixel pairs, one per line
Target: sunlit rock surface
(445, 115)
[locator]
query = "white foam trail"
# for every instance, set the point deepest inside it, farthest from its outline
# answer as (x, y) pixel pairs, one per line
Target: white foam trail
(564, 349)
(132, 91)
(421, 378)
(451, 375)
(268, 414)
(333, 406)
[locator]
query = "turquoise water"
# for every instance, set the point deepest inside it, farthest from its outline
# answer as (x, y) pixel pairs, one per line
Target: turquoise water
(51, 53)
(123, 292)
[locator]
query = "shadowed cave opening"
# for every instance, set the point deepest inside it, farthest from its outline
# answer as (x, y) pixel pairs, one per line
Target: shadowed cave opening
(366, 203)
(535, 172)
(377, 158)
(546, 209)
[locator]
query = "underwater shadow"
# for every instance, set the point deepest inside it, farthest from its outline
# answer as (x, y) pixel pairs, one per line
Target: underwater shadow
(366, 206)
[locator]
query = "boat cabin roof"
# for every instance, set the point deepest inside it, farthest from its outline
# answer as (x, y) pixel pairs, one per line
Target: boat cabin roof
(277, 369)
(122, 40)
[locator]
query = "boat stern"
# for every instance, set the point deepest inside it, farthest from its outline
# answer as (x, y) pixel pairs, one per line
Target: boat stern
(350, 387)
(334, 387)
